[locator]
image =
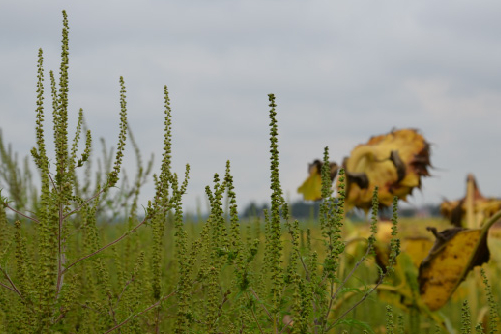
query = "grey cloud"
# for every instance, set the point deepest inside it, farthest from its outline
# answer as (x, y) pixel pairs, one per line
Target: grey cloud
(342, 71)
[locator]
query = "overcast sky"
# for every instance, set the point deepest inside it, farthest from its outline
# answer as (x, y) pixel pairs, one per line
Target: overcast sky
(342, 71)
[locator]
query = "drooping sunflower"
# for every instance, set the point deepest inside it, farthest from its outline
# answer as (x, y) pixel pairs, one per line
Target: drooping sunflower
(481, 207)
(394, 162)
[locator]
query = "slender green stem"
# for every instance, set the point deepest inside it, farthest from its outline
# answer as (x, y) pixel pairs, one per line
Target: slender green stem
(108, 245)
(21, 214)
(14, 288)
(140, 313)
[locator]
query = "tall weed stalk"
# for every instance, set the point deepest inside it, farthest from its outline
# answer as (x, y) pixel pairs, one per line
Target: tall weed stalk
(73, 260)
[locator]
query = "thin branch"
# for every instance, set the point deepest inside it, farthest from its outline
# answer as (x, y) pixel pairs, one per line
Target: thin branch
(8, 288)
(52, 181)
(14, 288)
(108, 245)
(334, 295)
(364, 297)
(254, 316)
(112, 311)
(308, 277)
(90, 308)
(355, 267)
(140, 313)
(352, 293)
(83, 203)
(61, 316)
(287, 325)
(305, 267)
(21, 214)
(262, 305)
(60, 255)
(125, 287)
(157, 321)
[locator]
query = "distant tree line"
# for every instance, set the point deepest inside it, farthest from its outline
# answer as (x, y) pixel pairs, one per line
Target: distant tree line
(309, 210)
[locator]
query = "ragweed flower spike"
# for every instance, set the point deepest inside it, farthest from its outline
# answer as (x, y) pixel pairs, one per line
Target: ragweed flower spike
(113, 177)
(312, 186)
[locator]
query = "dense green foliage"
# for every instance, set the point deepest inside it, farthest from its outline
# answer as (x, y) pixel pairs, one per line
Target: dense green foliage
(71, 263)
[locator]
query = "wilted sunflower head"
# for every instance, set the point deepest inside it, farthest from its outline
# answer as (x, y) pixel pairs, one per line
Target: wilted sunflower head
(482, 207)
(394, 162)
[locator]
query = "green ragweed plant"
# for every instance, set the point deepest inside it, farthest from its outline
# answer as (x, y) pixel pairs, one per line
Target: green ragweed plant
(390, 325)
(465, 318)
(16, 177)
(493, 313)
(61, 241)
(339, 286)
(274, 243)
(78, 256)
(400, 324)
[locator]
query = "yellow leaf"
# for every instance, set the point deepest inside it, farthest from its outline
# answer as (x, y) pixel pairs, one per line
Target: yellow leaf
(455, 252)
(417, 248)
(311, 188)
